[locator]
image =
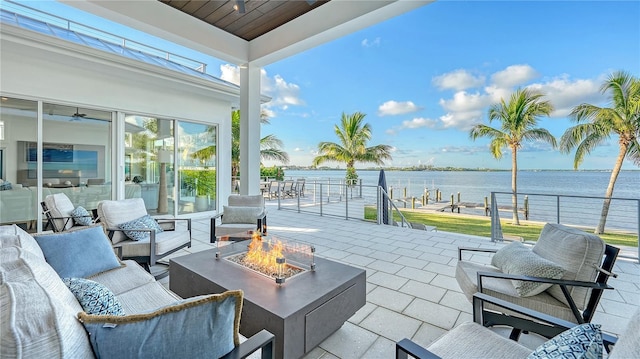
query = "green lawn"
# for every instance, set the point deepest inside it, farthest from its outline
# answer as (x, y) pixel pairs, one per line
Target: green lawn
(481, 226)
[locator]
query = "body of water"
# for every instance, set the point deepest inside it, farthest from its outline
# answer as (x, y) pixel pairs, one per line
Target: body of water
(475, 185)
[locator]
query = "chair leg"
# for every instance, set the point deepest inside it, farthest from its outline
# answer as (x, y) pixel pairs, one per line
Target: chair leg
(515, 334)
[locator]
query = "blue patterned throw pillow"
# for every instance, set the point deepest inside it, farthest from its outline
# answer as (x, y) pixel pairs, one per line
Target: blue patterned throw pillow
(6, 186)
(144, 222)
(580, 342)
(81, 216)
(94, 297)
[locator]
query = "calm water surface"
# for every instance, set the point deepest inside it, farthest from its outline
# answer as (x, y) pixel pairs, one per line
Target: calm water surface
(474, 185)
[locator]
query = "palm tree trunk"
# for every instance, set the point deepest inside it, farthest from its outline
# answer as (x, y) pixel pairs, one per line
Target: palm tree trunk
(612, 182)
(514, 185)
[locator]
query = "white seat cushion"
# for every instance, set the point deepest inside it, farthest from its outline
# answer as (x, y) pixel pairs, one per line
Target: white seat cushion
(471, 340)
(165, 241)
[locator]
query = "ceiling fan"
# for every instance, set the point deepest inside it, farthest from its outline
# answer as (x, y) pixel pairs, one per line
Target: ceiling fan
(77, 116)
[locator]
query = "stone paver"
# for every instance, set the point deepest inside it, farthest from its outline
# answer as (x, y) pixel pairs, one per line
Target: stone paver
(411, 289)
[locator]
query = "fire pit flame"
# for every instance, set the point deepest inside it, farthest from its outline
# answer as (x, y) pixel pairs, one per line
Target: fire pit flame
(267, 258)
(264, 260)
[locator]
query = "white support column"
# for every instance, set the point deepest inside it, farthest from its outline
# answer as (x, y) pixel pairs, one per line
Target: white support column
(249, 129)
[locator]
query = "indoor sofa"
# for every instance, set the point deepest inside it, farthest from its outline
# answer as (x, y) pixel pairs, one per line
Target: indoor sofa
(43, 315)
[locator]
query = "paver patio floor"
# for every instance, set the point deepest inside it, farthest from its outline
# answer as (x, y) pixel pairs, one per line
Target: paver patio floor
(411, 289)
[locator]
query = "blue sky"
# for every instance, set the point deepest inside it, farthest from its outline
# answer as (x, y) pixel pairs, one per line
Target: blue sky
(425, 77)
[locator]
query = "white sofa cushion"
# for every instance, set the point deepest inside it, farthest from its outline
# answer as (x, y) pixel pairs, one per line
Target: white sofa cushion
(38, 316)
(13, 235)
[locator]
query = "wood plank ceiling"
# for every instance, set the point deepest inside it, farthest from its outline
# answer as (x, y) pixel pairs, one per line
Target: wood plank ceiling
(259, 17)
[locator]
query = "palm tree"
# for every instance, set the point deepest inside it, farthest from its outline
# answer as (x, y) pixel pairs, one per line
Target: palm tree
(597, 124)
(353, 135)
(270, 145)
(519, 119)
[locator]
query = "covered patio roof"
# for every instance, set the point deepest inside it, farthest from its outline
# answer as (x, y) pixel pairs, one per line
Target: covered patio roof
(268, 31)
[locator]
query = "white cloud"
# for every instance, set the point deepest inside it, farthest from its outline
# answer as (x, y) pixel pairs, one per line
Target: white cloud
(565, 93)
(419, 122)
(461, 120)
(396, 108)
(465, 109)
(457, 80)
(371, 43)
(463, 101)
(298, 149)
(513, 75)
(283, 94)
(230, 73)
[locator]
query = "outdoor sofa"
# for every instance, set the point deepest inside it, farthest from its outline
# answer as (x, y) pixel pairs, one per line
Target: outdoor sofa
(134, 315)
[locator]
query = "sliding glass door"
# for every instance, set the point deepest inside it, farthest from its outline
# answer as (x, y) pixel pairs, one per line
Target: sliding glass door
(76, 154)
(18, 195)
(197, 167)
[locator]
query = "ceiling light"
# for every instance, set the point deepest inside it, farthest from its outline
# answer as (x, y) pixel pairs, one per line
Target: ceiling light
(239, 6)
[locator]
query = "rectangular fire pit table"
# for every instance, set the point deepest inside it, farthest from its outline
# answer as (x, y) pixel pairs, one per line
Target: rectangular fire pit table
(301, 313)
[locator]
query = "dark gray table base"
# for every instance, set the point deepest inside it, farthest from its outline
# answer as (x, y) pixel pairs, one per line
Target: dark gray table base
(301, 313)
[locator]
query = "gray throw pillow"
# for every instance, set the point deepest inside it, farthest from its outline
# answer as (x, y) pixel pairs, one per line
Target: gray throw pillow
(80, 253)
(516, 258)
(234, 214)
(212, 330)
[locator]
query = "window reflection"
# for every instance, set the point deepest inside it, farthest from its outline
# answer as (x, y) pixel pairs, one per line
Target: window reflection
(197, 167)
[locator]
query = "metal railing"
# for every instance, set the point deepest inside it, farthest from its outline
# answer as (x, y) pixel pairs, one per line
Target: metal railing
(579, 211)
(339, 199)
(70, 25)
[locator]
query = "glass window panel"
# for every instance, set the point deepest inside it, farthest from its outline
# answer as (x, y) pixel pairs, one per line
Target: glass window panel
(18, 195)
(197, 167)
(76, 154)
(149, 161)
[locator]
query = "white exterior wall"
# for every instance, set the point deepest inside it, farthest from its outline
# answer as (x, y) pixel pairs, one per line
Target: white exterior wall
(38, 67)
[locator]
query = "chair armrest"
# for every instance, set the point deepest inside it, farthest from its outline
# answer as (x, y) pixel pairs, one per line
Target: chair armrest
(407, 347)
(262, 340)
(174, 221)
(486, 250)
(218, 215)
(557, 325)
(560, 282)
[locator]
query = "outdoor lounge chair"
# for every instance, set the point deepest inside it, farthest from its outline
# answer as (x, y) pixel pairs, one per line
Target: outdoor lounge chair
(61, 215)
(580, 262)
(473, 340)
(423, 227)
(135, 235)
(244, 213)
